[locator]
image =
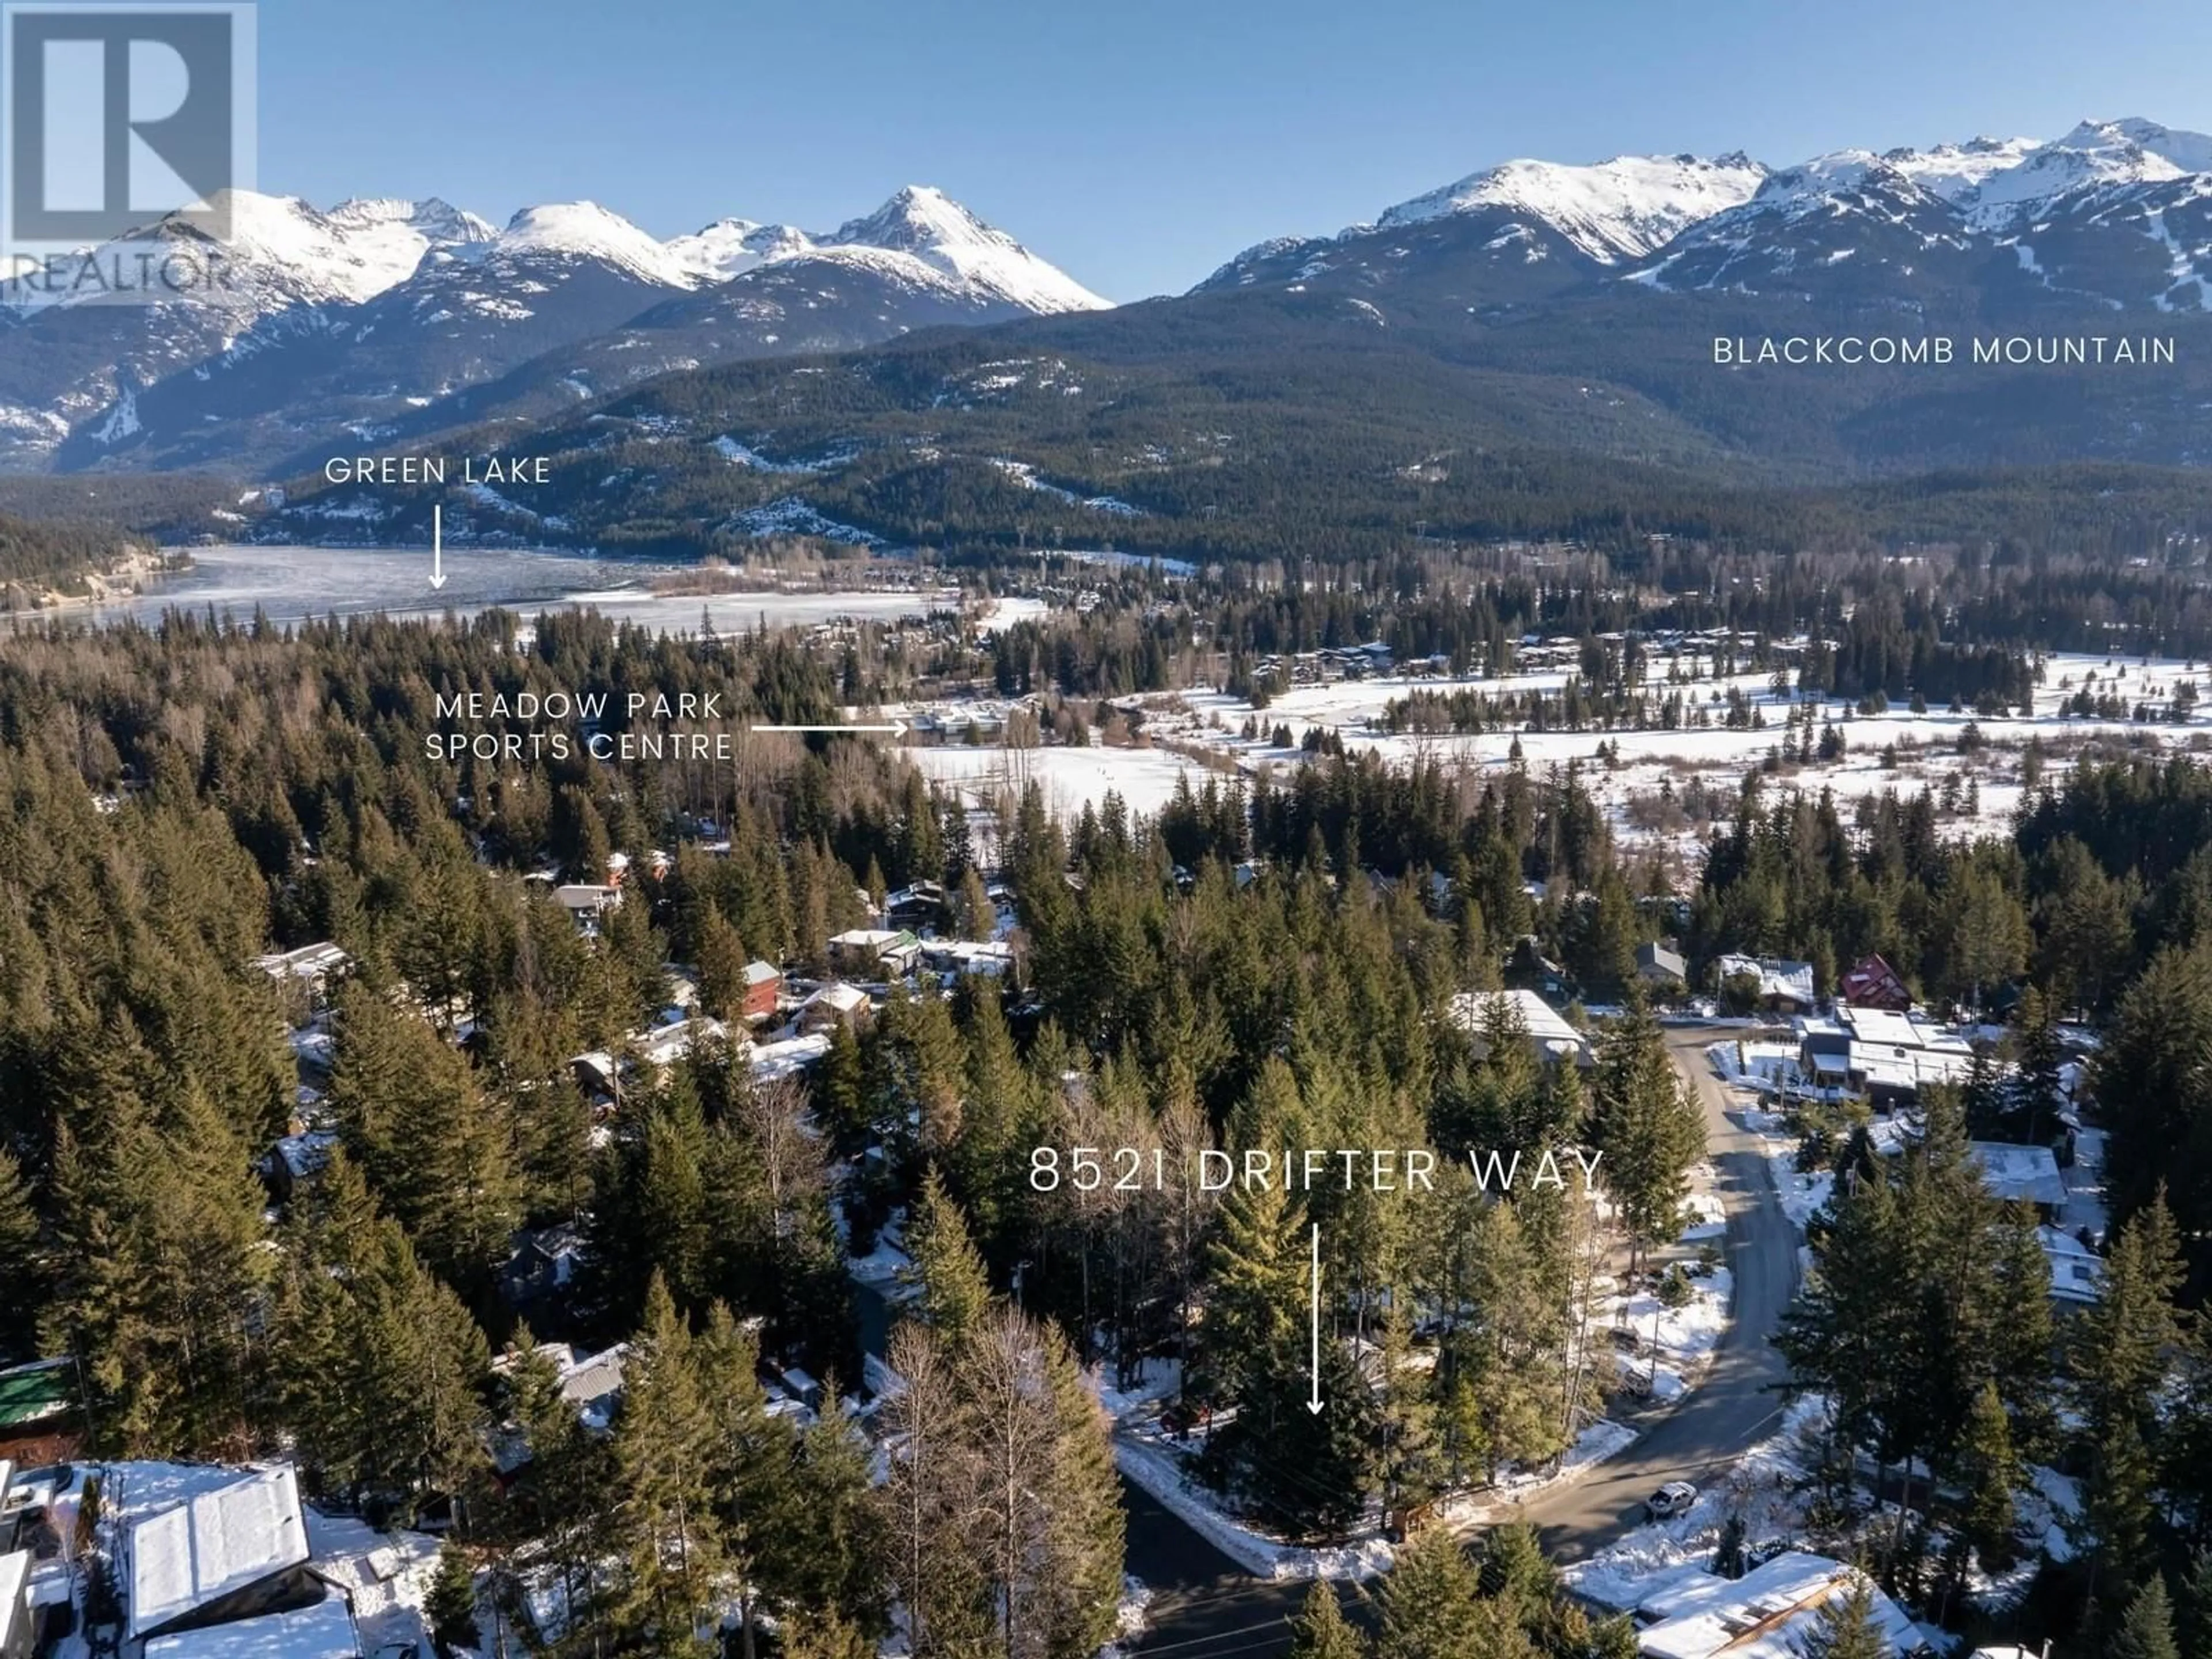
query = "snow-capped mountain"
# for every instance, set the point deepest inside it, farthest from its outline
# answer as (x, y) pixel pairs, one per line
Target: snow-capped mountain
(930, 228)
(2096, 154)
(1842, 222)
(360, 318)
(2110, 214)
(920, 235)
(1617, 209)
(731, 247)
(2115, 215)
(1956, 172)
(1509, 234)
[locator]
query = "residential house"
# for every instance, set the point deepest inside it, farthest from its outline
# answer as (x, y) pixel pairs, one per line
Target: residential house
(788, 1056)
(316, 967)
(2077, 1273)
(221, 1554)
(1547, 1030)
(1888, 1058)
(921, 906)
(870, 952)
(38, 1405)
(25, 1507)
(587, 903)
(992, 956)
(1872, 983)
(1777, 986)
(763, 989)
(542, 1264)
(325, 1630)
(597, 1074)
(1768, 1613)
(662, 1047)
(834, 1004)
(2027, 1175)
(592, 1384)
(1663, 969)
(295, 1160)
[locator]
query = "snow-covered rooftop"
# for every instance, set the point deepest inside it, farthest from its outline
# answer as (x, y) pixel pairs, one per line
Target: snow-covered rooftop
(216, 1539)
(2020, 1172)
(322, 1631)
(1764, 1614)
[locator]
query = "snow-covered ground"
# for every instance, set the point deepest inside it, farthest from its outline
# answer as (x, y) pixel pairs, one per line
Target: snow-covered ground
(1761, 1488)
(1640, 767)
(1163, 1465)
(1144, 778)
(1674, 1345)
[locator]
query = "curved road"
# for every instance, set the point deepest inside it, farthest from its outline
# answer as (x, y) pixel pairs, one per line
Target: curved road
(1735, 1406)
(1206, 1607)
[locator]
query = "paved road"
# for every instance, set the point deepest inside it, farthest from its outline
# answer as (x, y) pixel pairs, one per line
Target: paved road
(1206, 1607)
(1735, 1406)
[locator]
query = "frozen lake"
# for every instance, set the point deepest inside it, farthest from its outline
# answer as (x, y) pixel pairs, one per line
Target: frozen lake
(296, 584)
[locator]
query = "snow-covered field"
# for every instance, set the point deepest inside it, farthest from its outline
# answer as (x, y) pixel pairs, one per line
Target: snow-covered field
(1144, 778)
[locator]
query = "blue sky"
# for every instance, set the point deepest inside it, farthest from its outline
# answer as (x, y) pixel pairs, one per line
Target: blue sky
(1138, 144)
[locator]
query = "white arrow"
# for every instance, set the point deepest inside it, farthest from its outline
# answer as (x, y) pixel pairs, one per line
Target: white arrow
(437, 547)
(1313, 1398)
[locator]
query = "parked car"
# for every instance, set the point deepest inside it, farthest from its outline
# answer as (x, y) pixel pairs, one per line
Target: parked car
(1670, 1500)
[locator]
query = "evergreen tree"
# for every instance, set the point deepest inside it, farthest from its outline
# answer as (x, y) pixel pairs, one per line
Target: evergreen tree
(1648, 1128)
(751, 1474)
(955, 1292)
(1321, 1630)
(21, 1267)
(2117, 1357)
(2193, 1609)
(1257, 1270)
(1992, 1472)
(833, 1553)
(665, 1451)
(1847, 1627)
(434, 1147)
(1431, 1607)
(1081, 1580)
(2146, 1631)
(451, 1605)
(721, 959)
(1411, 1457)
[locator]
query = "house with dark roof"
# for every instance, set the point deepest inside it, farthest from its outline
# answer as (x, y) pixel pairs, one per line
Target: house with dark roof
(1872, 983)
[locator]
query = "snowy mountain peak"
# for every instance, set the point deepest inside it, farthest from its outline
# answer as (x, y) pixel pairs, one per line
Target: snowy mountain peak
(439, 221)
(1839, 171)
(1619, 209)
(2095, 154)
(926, 224)
(280, 251)
(584, 230)
(1956, 172)
(731, 247)
(918, 218)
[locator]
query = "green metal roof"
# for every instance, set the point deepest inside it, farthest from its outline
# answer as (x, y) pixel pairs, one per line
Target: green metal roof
(30, 1394)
